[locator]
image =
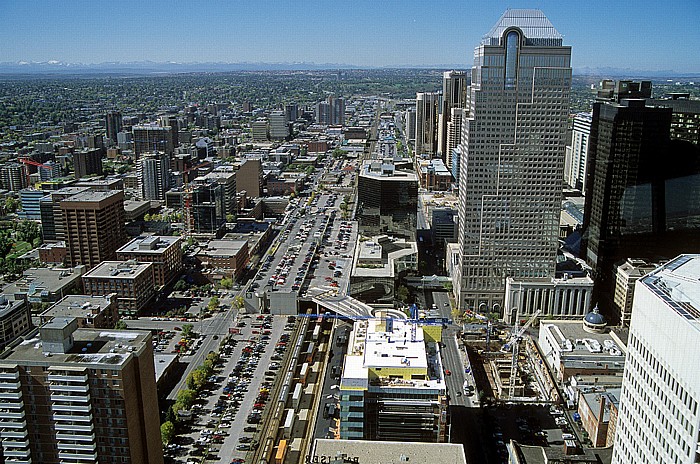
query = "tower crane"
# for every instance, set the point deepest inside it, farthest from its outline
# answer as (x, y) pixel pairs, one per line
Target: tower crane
(514, 345)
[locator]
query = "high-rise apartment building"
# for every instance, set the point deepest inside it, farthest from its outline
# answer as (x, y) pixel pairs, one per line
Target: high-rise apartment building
(80, 396)
(658, 416)
(149, 139)
(13, 176)
(579, 151)
(337, 107)
(427, 107)
(512, 159)
(52, 227)
(113, 125)
(248, 177)
(153, 172)
(94, 226)
(454, 96)
(87, 163)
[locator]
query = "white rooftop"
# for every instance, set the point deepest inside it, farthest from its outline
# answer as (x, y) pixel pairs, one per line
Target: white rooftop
(677, 283)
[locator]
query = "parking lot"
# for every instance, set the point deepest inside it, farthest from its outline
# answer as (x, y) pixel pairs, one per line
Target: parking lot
(226, 413)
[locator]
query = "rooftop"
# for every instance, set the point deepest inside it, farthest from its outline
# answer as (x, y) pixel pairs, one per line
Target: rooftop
(91, 348)
(575, 342)
(149, 244)
(677, 284)
(118, 270)
(223, 248)
(40, 279)
(390, 452)
(92, 196)
(538, 30)
(78, 306)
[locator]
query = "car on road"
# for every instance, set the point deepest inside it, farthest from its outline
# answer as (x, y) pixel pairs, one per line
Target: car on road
(243, 447)
(448, 372)
(250, 429)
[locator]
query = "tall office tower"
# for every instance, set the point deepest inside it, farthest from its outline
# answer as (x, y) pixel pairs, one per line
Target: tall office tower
(291, 112)
(226, 176)
(153, 172)
(658, 417)
(52, 227)
(323, 113)
(87, 163)
(208, 206)
(260, 130)
(113, 125)
(94, 226)
(387, 201)
(279, 129)
(579, 151)
(171, 121)
(13, 176)
(454, 95)
(427, 106)
(248, 177)
(685, 121)
(410, 124)
(149, 139)
(337, 107)
(80, 396)
(642, 191)
(512, 160)
(454, 134)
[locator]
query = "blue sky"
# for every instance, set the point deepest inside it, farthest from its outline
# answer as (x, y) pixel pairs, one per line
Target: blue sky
(641, 35)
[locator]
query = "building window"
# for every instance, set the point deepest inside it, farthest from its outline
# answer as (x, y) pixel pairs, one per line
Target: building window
(512, 43)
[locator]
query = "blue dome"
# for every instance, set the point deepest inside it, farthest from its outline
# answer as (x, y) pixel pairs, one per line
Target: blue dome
(595, 318)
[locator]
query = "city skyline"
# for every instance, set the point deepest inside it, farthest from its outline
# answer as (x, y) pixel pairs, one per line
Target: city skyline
(371, 34)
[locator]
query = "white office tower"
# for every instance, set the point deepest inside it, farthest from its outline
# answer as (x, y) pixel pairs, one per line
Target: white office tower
(512, 161)
(579, 150)
(427, 106)
(658, 419)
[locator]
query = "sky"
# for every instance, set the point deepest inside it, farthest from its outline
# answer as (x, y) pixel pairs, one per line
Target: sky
(646, 35)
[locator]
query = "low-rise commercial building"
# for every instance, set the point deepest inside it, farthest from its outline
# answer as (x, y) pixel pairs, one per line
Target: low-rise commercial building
(96, 312)
(392, 386)
(386, 452)
(565, 297)
(132, 282)
(46, 285)
(165, 252)
(224, 258)
(378, 265)
(581, 348)
(598, 414)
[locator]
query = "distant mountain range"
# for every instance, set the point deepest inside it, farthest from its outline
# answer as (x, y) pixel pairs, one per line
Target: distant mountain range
(152, 67)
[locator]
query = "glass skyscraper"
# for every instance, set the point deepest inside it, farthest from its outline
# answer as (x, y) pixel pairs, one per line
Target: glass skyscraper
(512, 157)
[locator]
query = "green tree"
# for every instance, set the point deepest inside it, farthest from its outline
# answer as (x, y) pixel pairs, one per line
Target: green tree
(186, 398)
(402, 293)
(230, 218)
(213, 304)
(187, 330)
(180, 285)
(226, 283)
(11, 205)
(120, 325)
(238, 302)
(167, 432)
